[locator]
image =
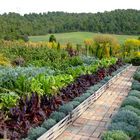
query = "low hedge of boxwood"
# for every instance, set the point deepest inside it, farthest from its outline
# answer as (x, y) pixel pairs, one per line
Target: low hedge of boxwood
(65, 109)
(125, 124)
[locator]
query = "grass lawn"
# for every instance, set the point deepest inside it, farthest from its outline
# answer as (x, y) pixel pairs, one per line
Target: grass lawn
(76, 37)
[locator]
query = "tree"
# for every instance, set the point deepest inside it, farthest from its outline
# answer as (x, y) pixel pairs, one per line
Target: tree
(52, 38)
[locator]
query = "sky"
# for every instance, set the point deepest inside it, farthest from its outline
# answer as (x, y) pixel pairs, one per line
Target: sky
(76, 6)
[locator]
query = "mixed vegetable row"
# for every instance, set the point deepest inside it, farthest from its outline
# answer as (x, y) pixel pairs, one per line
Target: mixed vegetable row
(29, 96)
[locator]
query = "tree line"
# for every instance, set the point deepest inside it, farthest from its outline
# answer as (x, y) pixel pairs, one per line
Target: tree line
(15, 26)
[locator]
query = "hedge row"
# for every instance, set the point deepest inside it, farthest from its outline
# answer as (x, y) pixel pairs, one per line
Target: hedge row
(125, 124)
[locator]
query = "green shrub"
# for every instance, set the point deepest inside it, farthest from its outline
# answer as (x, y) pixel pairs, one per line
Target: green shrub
(127, 117)
(47, 124)
(79, 99)
(34, 133)
(115, 135)
(137, 76)
(135, 93)
(135, 85)
(136, 61)
(130, 130)
(95, 87)
(75, 103)
(133, 101)
(103, 81)
(57, 116)
(107, 78)
(89, 91)
(52, 38)
(131, 108)
(86, 95)
(66, 108)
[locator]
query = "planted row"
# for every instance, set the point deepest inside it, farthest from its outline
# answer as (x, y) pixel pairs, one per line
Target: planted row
(43, 81)
(126, 124)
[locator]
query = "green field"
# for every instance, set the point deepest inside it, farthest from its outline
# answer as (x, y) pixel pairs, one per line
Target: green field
(76, 37)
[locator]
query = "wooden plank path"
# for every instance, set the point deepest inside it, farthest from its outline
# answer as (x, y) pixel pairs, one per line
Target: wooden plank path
(94, 121)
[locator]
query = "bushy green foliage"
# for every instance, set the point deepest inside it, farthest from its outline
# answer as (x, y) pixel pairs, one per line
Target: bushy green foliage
(89, 60)
(75, 61)
(95, 87)
(57, 116)
(106, 46)
(135, 85)
(52, 38)
(135, 61)
(86, 95)
(135, 93)
(8, 100)
(79, 99)
(133, 101)
(127, 117)
(34, 133)
(130, 130)
(74, 103)
(107, 78)
(131, 108)
(47, 124)
(66, 108)
(137, 76)
(89, 91)
(103, 81)
(115, 135)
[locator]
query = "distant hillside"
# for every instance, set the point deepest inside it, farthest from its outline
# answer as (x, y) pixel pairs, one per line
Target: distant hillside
(13, 25)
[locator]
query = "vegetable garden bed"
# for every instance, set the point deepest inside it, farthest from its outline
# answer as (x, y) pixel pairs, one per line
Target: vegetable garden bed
(44, 99)
(57, 129)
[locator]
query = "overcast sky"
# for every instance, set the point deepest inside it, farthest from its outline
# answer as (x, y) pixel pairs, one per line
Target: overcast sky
(37, 6)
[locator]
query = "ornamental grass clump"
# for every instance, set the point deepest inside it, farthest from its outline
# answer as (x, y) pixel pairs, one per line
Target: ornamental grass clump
(34, 133)
(135, 93)
(79, 99)
(135, 85)
(115, 135)
(133, 101)
(47, 124)
(74, 103)
(66, 108)
(127, 117)
(130, 130)
(131, 108)
(137, 76)
(57, 116)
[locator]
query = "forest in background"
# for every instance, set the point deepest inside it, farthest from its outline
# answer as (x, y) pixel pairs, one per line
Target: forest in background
(15, 26)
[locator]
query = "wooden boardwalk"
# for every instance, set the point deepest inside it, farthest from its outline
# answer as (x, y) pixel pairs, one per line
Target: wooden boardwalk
(94, 121)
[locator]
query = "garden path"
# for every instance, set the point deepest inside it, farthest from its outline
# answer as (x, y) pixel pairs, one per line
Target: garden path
(94, 121)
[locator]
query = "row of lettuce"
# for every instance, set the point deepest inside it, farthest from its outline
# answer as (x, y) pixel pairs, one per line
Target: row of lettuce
(125, 124)
(29, 96)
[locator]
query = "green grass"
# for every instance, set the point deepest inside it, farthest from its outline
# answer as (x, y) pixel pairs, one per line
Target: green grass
(76, 37)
